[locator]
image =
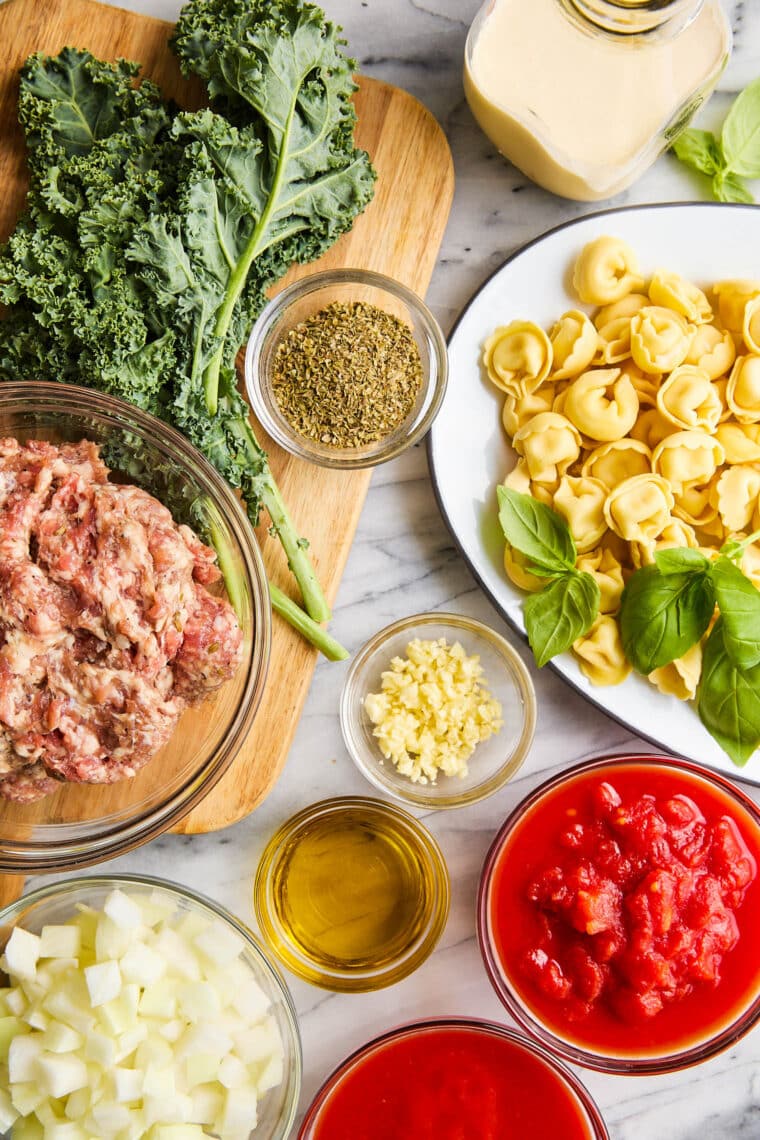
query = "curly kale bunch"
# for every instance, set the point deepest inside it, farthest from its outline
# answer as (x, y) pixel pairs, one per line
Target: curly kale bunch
(151, 235)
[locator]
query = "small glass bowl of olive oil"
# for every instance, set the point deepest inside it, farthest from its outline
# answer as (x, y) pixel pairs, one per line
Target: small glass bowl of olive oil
(352, 894)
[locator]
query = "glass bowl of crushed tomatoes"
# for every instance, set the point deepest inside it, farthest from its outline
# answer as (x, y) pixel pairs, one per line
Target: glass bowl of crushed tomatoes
(449, 1078)
(134, 627)
(619, 914)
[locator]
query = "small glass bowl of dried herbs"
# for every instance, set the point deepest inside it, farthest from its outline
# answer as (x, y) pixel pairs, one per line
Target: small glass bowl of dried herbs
(346, 368)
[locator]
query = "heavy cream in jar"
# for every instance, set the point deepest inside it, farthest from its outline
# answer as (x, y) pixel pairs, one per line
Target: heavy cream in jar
(582, 95)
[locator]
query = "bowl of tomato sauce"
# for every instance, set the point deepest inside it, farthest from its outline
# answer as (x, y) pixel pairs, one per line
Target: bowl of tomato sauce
(619, 914)
(452, 1079)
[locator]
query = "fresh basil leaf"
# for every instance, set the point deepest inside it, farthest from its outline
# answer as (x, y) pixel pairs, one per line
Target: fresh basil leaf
(730, 188)
(563, 611)
(536, 531)
(663, 615)
(700, 150)
(740, 137)
(680, 560)
(739, 604)
(728, 701)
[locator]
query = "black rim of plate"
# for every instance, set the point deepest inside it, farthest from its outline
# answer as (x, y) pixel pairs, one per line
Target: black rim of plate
(592, 216)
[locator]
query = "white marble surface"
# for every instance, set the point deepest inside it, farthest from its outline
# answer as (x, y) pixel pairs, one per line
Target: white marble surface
(403, 561)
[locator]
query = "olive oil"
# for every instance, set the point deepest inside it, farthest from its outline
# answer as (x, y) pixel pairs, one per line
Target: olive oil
(352, 893)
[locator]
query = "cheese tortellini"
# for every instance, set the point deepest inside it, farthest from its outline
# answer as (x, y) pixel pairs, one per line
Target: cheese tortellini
(689, 399)
(604, 567)
(711, 349)
(518, 357)
(549, 443)
(743, 389)
(639, 422)
(740, 442)
(671, 291)
(518, 410)
(638, 509)
(574, 342)
(681, 677)
(660, 339)
(605, 271)
(602, 403)
(733, 298)
(736, 496)
(675, 533)
(613, 462)
(600, 653)
(687, 458)
(751, 325)
(581, 500)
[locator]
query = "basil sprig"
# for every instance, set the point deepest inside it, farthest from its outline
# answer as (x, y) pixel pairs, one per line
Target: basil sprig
(666, 608)
(734, 156)
(566, 608)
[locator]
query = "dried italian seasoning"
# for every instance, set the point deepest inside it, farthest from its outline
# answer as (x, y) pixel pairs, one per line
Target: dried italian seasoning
(348, 376)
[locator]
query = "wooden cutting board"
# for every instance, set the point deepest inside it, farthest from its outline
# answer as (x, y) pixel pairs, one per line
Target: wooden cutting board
(399, 234)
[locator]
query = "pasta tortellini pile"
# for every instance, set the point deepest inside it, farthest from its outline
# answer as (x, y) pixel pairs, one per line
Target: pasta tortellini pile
(640, 425)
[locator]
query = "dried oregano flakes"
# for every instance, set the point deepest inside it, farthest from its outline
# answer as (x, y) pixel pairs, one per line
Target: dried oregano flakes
(347, 376)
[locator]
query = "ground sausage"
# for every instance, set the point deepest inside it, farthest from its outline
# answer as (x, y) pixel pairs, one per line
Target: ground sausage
(107, 628)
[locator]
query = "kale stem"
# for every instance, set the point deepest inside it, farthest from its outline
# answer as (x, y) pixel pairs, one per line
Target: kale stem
(268, 494)
(296, 551)
(266, 491)
(308, 628)
(281, 603)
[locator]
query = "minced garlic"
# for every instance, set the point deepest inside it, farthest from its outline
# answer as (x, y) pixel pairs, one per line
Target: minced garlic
(432, 710)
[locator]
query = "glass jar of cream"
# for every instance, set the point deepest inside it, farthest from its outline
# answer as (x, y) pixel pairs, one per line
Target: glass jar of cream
(583, 95)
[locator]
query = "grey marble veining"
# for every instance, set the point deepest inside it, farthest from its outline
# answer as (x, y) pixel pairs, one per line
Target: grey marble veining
(403, 560)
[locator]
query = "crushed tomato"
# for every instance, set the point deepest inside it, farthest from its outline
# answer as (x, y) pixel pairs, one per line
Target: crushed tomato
(625, 906)
(450, 1083)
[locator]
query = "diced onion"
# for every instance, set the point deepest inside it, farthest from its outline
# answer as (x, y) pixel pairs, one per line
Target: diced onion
(135, 1021)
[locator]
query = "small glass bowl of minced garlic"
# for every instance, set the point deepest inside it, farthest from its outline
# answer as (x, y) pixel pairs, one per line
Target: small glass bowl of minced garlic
(346, 368)
(438, 710)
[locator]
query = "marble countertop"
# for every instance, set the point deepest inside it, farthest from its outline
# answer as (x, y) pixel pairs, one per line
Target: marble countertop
(403, 561)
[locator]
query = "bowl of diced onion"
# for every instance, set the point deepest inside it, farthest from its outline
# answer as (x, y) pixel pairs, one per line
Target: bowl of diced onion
(438, 710)
(133, 1007)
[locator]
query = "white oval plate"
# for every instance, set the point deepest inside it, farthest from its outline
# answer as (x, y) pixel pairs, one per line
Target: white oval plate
(469, 452)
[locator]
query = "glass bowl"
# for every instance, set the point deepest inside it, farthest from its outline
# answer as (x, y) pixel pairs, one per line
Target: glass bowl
(459, 1089)
(57, 903)
(84, 823)
(352, 894)
(494, 760)
(542, 835)
(302, 300)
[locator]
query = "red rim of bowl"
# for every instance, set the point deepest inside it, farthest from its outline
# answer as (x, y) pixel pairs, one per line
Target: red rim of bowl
(671, 1062)
(565, 1075)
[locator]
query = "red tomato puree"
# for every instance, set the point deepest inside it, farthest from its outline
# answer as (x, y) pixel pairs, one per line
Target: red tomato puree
(625, 909)
(451, 1083)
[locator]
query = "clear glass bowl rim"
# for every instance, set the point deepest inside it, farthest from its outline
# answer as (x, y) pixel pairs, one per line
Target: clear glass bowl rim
(351, 981)
(566, 1075)
(49, 853)
(617, 1065)
(11, 914)
(416, 796)
(345, 459)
